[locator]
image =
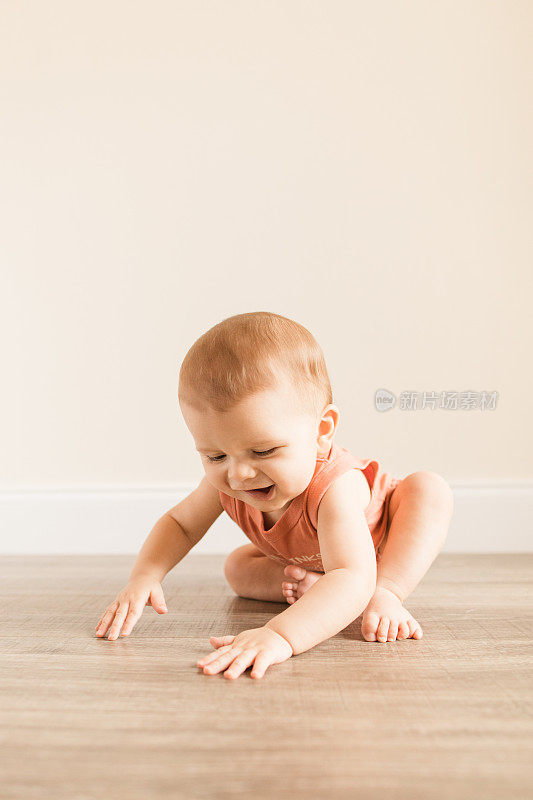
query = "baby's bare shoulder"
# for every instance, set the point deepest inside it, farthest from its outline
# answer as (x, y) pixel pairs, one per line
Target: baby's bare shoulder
(350, 487)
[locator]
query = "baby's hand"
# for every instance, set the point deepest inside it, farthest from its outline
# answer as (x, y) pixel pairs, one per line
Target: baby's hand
(259, 646)
(131, 601)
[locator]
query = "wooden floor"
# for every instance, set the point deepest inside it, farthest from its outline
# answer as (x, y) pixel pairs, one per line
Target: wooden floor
(448, 716)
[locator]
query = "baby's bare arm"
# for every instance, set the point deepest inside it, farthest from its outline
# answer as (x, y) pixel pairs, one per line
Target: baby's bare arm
(178, 531)
(349, 560)
(165, 547)
(169, 541)
(327, 607)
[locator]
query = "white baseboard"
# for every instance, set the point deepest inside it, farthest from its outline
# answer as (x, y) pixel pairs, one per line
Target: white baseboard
(495, 518)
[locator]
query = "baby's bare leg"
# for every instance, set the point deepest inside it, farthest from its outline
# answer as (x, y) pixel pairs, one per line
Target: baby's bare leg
(421, 508)
(254, 575)
(421, 516)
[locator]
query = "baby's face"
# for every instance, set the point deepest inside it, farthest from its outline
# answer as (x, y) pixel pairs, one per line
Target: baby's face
(263, 440)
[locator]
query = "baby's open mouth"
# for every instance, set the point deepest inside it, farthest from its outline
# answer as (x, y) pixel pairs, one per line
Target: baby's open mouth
(264, 491)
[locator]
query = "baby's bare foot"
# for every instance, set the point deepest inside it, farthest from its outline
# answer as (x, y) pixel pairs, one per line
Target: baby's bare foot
(386, 619)
(299, 581)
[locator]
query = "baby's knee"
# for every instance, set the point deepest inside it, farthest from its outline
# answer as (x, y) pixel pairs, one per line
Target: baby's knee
(441, 492)
(234, 565)
(434, 489)
(230, 565)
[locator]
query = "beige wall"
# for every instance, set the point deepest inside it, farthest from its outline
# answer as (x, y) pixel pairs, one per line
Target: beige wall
(364, 168)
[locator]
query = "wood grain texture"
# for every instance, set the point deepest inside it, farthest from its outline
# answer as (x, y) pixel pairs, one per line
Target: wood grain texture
(448, 716)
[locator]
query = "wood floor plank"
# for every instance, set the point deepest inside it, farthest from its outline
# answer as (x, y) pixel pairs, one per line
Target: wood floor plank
(447, 716)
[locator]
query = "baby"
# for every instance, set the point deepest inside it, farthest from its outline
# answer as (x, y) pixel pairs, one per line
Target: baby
(332, 535)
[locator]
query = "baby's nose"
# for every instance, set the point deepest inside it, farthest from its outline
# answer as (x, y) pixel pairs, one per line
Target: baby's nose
(241, 472)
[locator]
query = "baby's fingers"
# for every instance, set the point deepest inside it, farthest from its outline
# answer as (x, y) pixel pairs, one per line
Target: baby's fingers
(262, 662)
(220, 662)
(136, 609)
(220, 641)
(202, 662)
(105, 621)
(119, 619)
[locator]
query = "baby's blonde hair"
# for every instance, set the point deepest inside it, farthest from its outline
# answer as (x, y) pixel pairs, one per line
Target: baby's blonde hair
(247, 353)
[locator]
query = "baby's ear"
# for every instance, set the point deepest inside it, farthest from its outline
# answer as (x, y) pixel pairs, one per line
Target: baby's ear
(327, 426)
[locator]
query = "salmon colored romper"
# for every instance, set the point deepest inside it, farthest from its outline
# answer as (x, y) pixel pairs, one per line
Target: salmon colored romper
(293, 539)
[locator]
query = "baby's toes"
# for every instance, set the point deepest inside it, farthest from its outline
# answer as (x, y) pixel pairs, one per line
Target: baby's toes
(415, 631)
(403, 630)
(369, 626)
(383, 629)
(393, 630)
